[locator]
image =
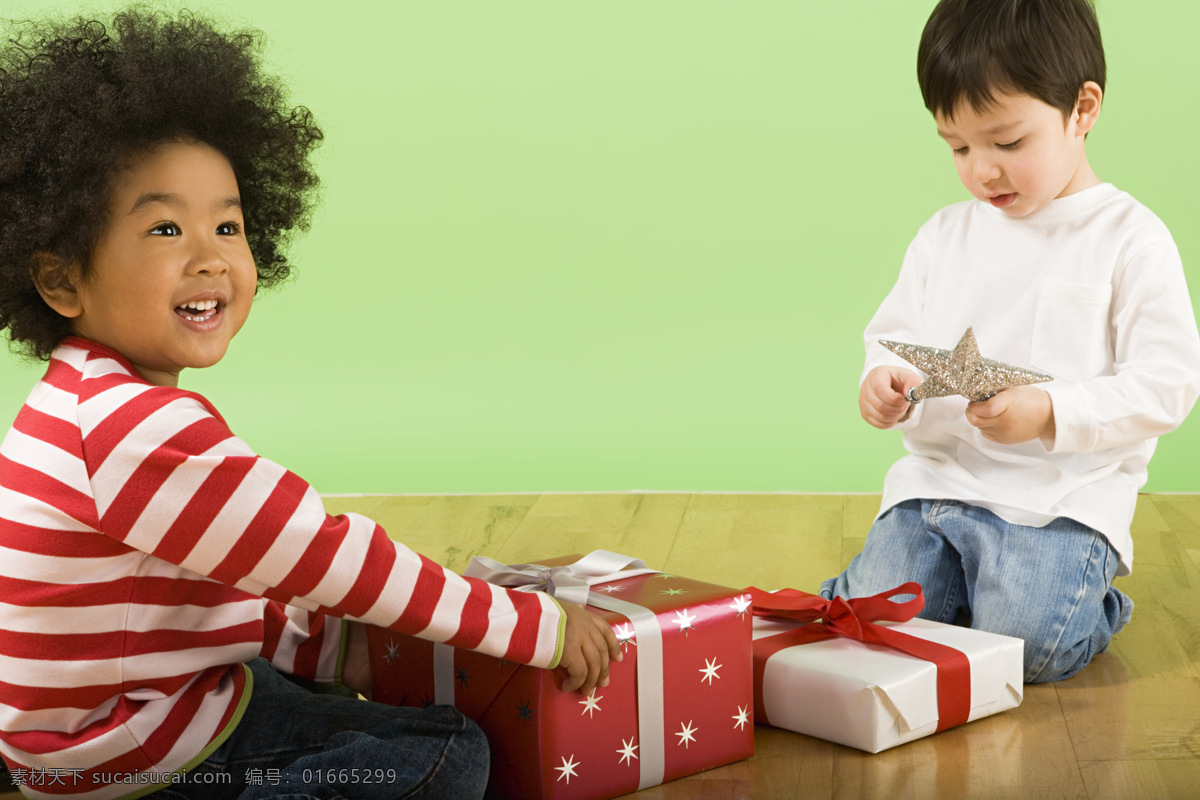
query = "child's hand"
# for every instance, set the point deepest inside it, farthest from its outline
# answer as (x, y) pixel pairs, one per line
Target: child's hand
(1014, 415)
(588, 645)
(881, 399)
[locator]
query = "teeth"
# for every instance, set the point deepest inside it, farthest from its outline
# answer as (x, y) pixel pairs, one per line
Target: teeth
(203, 305)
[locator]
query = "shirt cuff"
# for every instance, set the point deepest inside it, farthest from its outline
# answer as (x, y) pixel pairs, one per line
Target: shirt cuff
(1073, 431)
(562, 633)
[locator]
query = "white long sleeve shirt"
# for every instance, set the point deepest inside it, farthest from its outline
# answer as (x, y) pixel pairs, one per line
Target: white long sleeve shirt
(1089, 289)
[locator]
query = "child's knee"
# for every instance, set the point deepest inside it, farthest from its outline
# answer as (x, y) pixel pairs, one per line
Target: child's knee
(1048, 655)
(1061, 652)
(1047, 663)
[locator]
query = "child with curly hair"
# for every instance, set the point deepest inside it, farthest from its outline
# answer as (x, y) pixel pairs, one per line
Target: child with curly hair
(158, 578)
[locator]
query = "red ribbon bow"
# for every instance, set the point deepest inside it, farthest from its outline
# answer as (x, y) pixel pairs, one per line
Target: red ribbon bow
(855, 619)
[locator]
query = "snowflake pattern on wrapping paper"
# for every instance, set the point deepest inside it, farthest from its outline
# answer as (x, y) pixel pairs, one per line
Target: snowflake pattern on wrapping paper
(393, 652)
(686, 734)
(462, 677)
(525, 712)
(684, 620)
(742, 718)
(591, 704)
(673, 592)
(710, 670)
(568, 769)
(626, 751)
(741, 605)
(625, 635)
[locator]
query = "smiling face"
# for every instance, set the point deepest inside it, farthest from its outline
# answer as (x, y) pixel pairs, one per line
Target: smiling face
(1019, 154)
(171, 278)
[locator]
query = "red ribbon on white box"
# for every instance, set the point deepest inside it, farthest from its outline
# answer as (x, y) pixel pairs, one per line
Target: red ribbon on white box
(572, 583)
(855, 619)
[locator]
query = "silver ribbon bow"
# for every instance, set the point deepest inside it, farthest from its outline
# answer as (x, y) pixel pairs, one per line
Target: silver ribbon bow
(570, 583)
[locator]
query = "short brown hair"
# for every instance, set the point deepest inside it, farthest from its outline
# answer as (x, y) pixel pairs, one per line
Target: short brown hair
(971, 49)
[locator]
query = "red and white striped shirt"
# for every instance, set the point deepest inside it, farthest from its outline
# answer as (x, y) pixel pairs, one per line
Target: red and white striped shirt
(146, 553)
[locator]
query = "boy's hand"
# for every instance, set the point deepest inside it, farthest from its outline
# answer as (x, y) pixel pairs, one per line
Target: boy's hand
(588, 645)
(881, 398)
(1015, 415)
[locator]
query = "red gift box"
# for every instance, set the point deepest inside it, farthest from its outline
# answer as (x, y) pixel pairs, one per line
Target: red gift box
(680, 702)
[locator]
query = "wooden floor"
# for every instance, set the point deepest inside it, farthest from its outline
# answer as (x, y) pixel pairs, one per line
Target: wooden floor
(1127, 727)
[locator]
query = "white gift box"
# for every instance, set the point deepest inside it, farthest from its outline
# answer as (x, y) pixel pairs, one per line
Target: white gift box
(872, 697)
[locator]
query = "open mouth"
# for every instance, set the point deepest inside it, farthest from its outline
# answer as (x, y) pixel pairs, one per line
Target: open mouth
(1002, 200)
(199, 310)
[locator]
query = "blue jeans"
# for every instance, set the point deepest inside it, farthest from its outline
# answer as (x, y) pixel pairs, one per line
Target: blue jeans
(293, 744)
(1050, 586)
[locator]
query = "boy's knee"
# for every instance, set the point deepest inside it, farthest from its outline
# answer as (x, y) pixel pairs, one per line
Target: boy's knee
(1048, 655)
(1048, 664)
(1056, 657)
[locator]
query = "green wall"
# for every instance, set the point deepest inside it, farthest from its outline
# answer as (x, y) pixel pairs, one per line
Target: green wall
(599, 246)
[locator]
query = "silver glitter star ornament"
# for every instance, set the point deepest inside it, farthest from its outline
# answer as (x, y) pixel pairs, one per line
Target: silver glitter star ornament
(961, 371)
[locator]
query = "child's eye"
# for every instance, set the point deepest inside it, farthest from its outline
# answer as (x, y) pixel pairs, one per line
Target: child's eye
(1010, 146)
(165, 229)
(960, 151)
(229, 229)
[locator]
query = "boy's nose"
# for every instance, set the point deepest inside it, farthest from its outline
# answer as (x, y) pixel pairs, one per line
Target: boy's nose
(984, 170)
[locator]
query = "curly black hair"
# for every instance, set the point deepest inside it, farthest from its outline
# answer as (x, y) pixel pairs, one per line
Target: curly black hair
(81, 100)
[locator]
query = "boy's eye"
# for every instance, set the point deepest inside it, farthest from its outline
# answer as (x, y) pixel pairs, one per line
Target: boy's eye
(960, 151)
(1010, 146)
(165, 229)
(229, 229)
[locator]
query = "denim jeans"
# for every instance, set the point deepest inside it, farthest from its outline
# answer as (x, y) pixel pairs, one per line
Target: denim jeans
(293, 744)
(1050, 586)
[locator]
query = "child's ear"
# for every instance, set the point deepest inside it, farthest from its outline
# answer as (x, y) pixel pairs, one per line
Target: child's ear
(1087, 107)
(56, 281)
